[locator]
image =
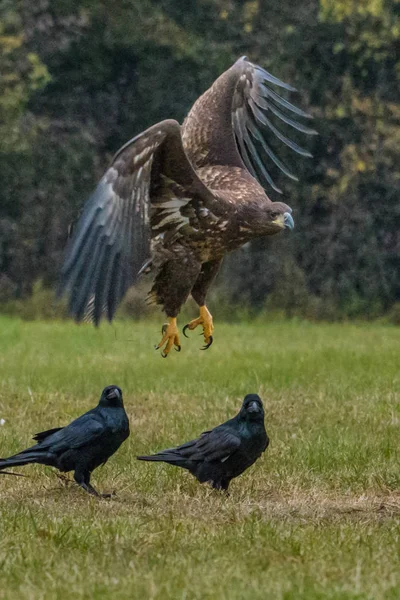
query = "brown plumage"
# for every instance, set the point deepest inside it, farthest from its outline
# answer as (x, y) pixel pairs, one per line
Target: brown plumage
(177, 198)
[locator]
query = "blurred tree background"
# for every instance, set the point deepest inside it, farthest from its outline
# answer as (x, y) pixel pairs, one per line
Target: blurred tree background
(81, 77)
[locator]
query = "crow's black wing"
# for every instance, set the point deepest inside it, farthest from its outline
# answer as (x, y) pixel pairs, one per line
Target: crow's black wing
(257, 113)
(85, 430)
(42, 435)
(215, 445)
(148, 186)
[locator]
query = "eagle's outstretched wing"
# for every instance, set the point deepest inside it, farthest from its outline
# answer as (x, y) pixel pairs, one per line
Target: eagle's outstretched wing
(112, 240)
(234, 122)
(152, 188)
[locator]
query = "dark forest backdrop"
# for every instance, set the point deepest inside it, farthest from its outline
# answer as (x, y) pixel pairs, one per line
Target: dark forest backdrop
(80, 77)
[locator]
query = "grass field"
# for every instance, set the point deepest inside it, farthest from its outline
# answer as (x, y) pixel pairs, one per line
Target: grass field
(317, 517)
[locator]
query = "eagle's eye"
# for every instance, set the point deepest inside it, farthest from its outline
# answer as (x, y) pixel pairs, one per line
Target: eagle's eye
(274, 215)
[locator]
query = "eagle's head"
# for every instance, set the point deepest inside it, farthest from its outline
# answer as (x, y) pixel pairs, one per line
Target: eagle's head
(277, 216)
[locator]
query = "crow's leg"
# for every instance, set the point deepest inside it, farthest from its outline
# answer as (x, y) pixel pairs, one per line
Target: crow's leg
(207, 275)
(221, 484)
(171, 288)
(93, 491)
(82, 478)
(90, 489)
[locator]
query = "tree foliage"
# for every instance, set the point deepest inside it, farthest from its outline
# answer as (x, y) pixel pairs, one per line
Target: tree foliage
(80, 77)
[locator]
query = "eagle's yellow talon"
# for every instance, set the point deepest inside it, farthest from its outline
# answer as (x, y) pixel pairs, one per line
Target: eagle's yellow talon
(205, 319)
(170, 337)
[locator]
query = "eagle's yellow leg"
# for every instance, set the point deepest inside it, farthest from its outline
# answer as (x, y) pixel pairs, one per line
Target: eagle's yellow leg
(205, 319)
(170, 337)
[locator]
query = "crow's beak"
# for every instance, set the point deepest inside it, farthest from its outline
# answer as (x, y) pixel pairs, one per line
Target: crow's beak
(288, 220)
(114, 394)
(253, 407)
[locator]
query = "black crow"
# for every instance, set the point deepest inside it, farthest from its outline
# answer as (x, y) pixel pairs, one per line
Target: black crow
(84, 444)
(223, 453)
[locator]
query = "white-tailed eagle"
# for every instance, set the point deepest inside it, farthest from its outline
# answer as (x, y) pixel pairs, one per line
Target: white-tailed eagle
(177, 198)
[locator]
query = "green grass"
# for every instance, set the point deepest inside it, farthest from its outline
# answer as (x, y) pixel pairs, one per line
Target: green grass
(317, 517)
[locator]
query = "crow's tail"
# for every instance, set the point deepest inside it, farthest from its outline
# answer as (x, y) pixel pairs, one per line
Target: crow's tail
(153, 457)
(24, 458)
(168, 456)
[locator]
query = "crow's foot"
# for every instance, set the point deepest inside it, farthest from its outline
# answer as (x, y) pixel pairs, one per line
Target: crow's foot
(205, 319)
(170, 337)
(93, 492)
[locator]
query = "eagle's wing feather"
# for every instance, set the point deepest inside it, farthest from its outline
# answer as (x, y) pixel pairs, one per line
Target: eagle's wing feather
(236, 122)
(253, 99)
(151, 173)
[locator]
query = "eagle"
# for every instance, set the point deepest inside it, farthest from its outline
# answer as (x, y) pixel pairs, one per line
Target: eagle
(177, 198)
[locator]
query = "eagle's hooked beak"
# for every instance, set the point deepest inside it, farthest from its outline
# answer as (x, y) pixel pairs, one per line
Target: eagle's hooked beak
(284, 220)
(288, 220)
